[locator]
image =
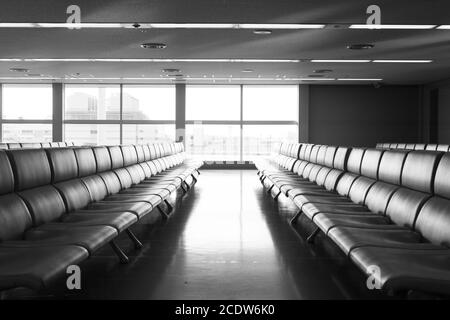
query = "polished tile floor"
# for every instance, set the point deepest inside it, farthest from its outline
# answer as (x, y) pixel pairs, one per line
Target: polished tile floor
(227, 239)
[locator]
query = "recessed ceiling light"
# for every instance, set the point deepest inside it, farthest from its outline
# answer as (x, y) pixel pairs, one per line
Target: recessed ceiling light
(151, 45)
(262, 31)
(340, 61)
(248, 70)
(402, 61)
(171, 70)
(323, 71)
(360, 46)
(22, 70)
(393, 26)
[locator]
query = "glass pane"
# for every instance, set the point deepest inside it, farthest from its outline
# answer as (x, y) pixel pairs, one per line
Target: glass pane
(213, 142)
(88, 102)
(26, 132)
(213, 102)
(262, 140)
(92, 134)
(148, 102)
(270, 103)
(29, 102)
(148, 133)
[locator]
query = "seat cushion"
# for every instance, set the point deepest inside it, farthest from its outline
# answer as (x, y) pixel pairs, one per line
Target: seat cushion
(139, 207)
(307, 189)
(311, 209)
(161, 193)
(405, 269)
(34, 267)
(326, 221)
(89, 237)
(348, 238)
(119, 220)
(329, 198)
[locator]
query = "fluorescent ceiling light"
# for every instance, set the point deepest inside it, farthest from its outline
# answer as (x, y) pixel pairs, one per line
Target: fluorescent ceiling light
(393, 26)
(358, 79)
(402, 61)
(444, 27)
(147, 60)
(108, 25)
(341, 61)
(280, 26)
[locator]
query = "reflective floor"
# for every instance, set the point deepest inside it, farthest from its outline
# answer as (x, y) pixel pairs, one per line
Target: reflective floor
(227, 239)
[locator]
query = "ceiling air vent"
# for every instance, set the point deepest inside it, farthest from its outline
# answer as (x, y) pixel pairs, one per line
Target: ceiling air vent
(151, 45)
(360, 46)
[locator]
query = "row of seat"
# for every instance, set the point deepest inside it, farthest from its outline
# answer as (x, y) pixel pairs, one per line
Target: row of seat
(58, 206)
(414, 146)
(387, 210)
(36, 145)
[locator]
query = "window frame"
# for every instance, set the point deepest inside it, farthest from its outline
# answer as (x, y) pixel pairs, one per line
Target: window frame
(23, 121)
(119, 121)
(241, 122)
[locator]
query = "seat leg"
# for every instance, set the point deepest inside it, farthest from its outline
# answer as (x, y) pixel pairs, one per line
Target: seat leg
(188, 187)
(297, 215)
(270, 189)
(132, 236)
(313, 235)
(122, 256)
(197, 171)
(163, 213)
(169, 206)
(183, 188)
(195, 179)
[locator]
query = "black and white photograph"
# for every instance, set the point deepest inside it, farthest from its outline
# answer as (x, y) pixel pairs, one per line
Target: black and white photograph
(224, 158)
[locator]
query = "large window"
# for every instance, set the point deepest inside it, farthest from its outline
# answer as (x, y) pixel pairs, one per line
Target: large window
(113, 114)
(213, 122)
(240, 122)
(148, 102)
(270, 115)
(27, 112)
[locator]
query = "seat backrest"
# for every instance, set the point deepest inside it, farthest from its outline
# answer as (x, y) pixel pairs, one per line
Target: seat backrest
(3, 146)
(321, 155)
(14, 146)
(115, 153)
(391, 166)
(314, 152)
(433, 221)
(442, 147)
(329, 156)
(410, 146)
(341, 158)
(419, 146)
(354, 160)
(417, 186)
(14, 215)
(371, 162)
(419, 170)
(102, 158)
(431, 147)
(33, 176)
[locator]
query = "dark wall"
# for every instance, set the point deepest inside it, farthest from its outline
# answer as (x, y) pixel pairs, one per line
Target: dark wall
(443, 115)
(363, 115)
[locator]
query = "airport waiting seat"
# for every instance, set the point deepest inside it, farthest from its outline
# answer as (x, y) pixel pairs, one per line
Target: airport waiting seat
(57, 205)
(416, 146)
(388, 208)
